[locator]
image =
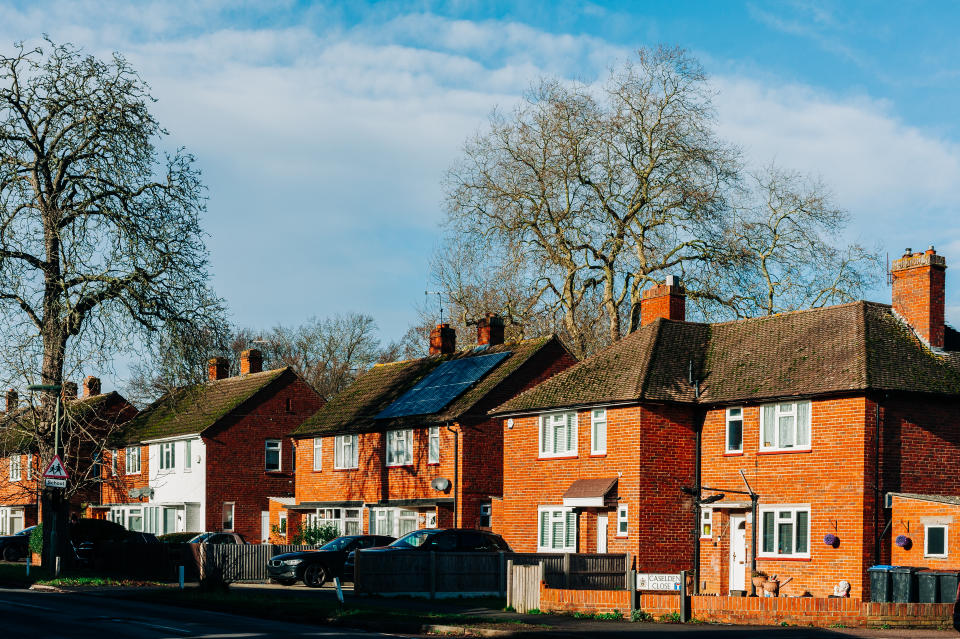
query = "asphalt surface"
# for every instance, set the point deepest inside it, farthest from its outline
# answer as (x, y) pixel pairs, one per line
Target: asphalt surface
(25, 613)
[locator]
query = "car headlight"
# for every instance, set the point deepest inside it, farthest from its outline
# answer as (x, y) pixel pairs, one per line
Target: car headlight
(292, 562)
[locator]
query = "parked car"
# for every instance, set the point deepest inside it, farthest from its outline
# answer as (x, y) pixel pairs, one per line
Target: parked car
(438, 540)
(88, 537)
(316, 567)
(17, 545)
(218, 538)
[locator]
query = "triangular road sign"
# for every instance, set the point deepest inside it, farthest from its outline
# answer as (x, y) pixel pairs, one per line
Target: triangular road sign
(56, 469)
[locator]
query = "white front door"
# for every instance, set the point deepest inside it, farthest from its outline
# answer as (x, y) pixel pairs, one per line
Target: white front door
(264, 526)
(602, 532)
(738, 551)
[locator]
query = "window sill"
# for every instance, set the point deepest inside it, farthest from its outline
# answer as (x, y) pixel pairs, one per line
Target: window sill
(433, 463)
(783, 558)
(783, 451)
(598, 454)
(399, 465)
(317, 470)
(130, 474)
(346, 469)
(622, 536)
(549, 457)
(731, 453)
(936, 556)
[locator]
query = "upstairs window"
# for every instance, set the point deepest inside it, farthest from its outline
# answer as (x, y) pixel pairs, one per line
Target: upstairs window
(30, 467)
(734, 430)
(272, 455)
(786, 531)
(113, 461)
(167, 456)
(598, 431)
(785, 426)
(433, 454)
(558, 530)
(132, 461)
(345, 451)
(558, 435)
(228, 516)
(400, 447)
(14, 467)
(318, 453)
(188, 454)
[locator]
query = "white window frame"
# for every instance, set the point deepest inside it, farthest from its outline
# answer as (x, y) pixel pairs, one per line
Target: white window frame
(792, 509)
(131, 455)
(556, 515)
(783, 410)
(623, 520)
(270, 446)
(346, 444)
(318, 453)
(134, 513)
(733, 414)
(168, 456)
(29, 466)
(187, 454)
(706, 522)
(114, 452)
(486, 514)
(282, 524)
(231, 507)
(433, 445)
(15, 467)
(397, 456)
(598, 427)
(946, 541)
(548, 426)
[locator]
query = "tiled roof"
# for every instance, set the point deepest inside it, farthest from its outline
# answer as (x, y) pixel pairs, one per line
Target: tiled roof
(942, 499)
(194, 409)
(585, 488)
(354, 409)
(851, 347)
(17, 429)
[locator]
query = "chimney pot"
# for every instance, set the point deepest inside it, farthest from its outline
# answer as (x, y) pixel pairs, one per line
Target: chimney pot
(91, 386)
(218, 368)
(667, 301)
(12, 400)
(490, 329)
(919, 292)
(251, 361)
(443, 340)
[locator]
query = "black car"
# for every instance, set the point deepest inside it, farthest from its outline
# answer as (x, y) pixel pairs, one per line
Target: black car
(17, 545)
(439, 540)
(91, 538)
(316, 567)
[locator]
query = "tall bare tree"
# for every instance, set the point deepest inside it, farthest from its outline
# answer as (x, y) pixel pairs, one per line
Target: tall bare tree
(100, 237)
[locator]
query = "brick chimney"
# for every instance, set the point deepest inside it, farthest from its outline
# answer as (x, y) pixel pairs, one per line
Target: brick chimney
(251, 361)
(69, 390)
(490, 330)
(12, 400)
(91, 386)
(918, 293)
(667, 301)
(443, 340)
(218, 368)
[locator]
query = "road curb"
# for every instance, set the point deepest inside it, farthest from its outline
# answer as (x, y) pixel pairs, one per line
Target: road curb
(46, 588)
(462, 631)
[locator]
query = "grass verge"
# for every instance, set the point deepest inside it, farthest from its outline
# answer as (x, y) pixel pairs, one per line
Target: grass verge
(15, 576)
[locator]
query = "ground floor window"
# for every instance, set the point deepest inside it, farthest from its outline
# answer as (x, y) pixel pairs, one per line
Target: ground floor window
(349, 521)
(557, 530)
(485, 513)
(786, 531)
(11, 520)
(935, 540)
(395, 522)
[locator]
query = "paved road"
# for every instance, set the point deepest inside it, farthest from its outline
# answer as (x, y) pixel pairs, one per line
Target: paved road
(24, 613)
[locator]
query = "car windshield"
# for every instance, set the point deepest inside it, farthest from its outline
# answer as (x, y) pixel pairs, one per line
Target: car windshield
(200, 538)
(26, 531)
(337, 544)
(413, 540)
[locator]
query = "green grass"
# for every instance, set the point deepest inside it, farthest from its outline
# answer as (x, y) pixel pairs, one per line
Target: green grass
(15, 576)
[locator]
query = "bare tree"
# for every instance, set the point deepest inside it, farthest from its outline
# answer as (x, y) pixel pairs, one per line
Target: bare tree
(100, 238)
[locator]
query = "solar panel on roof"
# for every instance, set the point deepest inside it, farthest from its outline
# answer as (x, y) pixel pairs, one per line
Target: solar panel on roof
(444, 384)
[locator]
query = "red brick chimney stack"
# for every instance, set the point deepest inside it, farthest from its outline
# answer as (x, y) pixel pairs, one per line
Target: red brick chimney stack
(13, 399)
(218, 368)
(490, 330)
(443, 340)
(91, 386)
(251, 361)
(667, 301)
(918, 293)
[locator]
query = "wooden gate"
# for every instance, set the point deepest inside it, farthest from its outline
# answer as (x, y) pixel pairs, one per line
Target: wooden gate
(523, 586)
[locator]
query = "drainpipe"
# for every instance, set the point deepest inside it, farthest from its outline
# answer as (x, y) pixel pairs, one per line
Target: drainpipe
(456, 471)
(696, 515)
(878, 501)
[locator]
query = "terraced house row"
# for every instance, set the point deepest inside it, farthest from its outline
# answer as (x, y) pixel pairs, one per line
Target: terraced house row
(805, 443)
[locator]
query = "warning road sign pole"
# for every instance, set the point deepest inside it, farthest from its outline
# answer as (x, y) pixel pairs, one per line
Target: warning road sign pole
(52, 496)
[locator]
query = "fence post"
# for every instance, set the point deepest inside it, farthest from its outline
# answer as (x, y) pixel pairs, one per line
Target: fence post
(509, 582)
(566, 570)
(433, 575)
(632, 587)
(683, 597)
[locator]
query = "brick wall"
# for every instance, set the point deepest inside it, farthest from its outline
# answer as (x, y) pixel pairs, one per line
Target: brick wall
(918, 293)
(909, 518)
(114, 489)
(650, 448)
(585, 601)
(236, 455)
(23, 492)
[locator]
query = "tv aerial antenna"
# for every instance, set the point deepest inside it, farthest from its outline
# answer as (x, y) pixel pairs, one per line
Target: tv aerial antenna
(439, 295)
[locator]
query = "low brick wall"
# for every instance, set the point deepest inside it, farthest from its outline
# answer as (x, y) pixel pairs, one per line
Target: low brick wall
(586, 601)
(659, 604)
(908, 614)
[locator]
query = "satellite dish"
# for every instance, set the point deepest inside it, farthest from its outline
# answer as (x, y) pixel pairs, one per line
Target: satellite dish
(440, 483)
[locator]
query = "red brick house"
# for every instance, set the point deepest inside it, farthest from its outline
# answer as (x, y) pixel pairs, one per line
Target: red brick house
(409, 444)
(209, 457)
(21, 467)
(818, 412)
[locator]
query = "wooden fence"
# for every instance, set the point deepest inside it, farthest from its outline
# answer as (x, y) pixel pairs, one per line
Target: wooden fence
(580, 571)
(523, 586)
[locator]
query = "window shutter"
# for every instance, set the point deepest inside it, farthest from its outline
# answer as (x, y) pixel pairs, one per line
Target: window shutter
(571, 432)
(768, 416)
(355, 451)
(544, 527)
(803, 423)
(571, 541)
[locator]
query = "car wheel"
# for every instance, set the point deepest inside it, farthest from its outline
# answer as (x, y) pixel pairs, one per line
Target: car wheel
(315, 576)
(11, 554)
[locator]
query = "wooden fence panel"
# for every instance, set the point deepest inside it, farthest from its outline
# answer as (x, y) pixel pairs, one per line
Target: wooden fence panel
(581, 571)
(524, 593)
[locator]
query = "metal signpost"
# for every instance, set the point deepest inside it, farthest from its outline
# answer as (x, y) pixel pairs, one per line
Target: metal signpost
(57, 479)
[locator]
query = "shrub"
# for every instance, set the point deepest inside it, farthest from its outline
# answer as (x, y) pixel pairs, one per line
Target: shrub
(639, 615)
(36, 539)
(316, 535)
(177, 537)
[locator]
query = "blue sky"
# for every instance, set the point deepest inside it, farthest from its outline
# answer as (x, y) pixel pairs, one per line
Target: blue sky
(324, 129)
